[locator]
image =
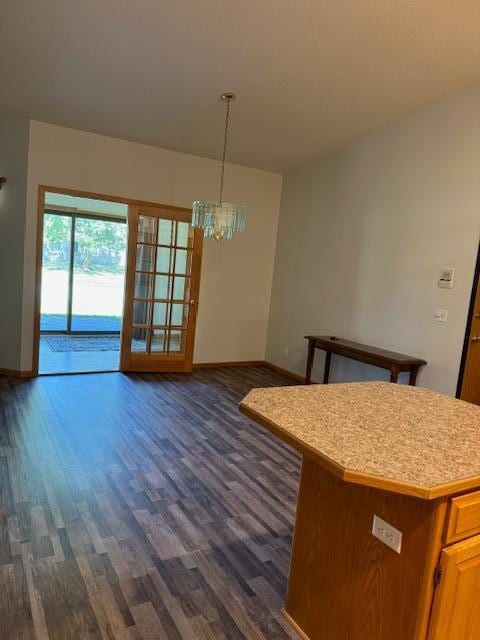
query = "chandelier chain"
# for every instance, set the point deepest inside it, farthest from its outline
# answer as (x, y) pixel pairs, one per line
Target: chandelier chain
(220, 220)
(225, 138)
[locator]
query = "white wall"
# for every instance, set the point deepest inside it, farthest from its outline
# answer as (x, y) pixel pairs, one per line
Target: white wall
(363, 235)
(13, 165)
(236, 275)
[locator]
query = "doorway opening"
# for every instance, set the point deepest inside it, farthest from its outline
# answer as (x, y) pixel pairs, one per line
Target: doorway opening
(468, 386)
(84, 246)
(117, 284)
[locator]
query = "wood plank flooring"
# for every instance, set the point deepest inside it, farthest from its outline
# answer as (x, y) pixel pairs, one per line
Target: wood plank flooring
(142, 507)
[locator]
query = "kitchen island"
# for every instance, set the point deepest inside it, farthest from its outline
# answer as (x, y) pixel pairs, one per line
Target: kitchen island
(407, 455)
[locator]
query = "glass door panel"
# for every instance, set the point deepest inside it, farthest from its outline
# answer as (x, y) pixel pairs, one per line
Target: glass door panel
(160, 308)
(183, 234)
(98, 275)
(154, 308)
(165, 229)
(139, 340)
(146, 229)
(181, 288)
(162, 287)
(159, 337)
(164, 259)
(56, 257)
(143, 284)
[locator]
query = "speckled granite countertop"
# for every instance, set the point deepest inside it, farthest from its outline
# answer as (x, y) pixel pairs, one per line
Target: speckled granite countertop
(401, 438)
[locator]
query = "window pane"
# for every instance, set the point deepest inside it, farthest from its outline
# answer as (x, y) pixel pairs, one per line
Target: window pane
(178, 311)
(55, 283)
(143, 285)
(158, 340)
(162, 287)
(145, 256)
(55, 272)
(165, 231)
(160, 314)
(181, 261)
(146, 229)
(141, 312)
(175, 341)
(139, 340)
(181, 288)
(163, 259)
(183, 229)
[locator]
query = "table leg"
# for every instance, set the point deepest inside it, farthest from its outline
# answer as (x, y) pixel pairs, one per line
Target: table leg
(311, 355)
(413, 376)
(326, 371)
(394, 373)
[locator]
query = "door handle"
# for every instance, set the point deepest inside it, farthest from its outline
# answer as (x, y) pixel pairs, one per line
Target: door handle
(475, 338)
(192, 302)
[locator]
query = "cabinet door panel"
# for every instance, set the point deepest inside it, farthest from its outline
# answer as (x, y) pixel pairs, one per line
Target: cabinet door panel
(456, 607)
(464, 517)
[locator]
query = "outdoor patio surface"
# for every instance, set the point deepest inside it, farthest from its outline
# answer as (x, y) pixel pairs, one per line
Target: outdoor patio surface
(75, 361)
(58, 322)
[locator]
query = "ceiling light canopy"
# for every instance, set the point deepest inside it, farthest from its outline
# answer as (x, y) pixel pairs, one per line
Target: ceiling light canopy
(220, 220)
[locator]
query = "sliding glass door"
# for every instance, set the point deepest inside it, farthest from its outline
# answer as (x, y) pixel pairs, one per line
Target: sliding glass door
(98, 275)
(82, 274)
(56, 263)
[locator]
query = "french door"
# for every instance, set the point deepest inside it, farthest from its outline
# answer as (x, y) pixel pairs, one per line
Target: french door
(161, 290)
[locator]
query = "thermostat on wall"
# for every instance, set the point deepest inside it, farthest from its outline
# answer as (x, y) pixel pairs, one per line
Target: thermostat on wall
(445, 281)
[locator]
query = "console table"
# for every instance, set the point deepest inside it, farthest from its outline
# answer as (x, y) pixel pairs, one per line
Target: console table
(391, 360)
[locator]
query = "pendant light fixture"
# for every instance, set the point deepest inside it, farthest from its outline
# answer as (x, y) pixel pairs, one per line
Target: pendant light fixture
(220, 219)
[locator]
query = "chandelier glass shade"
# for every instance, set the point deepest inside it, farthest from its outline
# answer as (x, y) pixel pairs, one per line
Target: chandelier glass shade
(220, 220)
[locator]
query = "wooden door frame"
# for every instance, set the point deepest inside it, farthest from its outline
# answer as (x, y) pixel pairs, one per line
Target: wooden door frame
(42, 190)
(466, 340)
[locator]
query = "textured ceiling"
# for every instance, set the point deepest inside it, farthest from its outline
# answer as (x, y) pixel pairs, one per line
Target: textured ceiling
(310, 75)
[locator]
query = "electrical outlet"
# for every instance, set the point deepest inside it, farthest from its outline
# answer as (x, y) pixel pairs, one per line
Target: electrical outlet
(387, 534)
(285, 351)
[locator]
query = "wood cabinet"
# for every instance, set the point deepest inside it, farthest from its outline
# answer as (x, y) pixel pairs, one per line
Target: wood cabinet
(408, 456)
(456, 608)
(464, 520)
(345, 584)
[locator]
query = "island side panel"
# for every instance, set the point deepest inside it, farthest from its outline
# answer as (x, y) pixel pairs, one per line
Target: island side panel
(344, 583)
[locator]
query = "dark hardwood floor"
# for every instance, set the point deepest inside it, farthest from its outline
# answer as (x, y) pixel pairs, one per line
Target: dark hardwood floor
(142, 507)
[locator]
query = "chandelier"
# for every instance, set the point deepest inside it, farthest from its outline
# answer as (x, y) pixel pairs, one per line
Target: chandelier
(220, 219)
